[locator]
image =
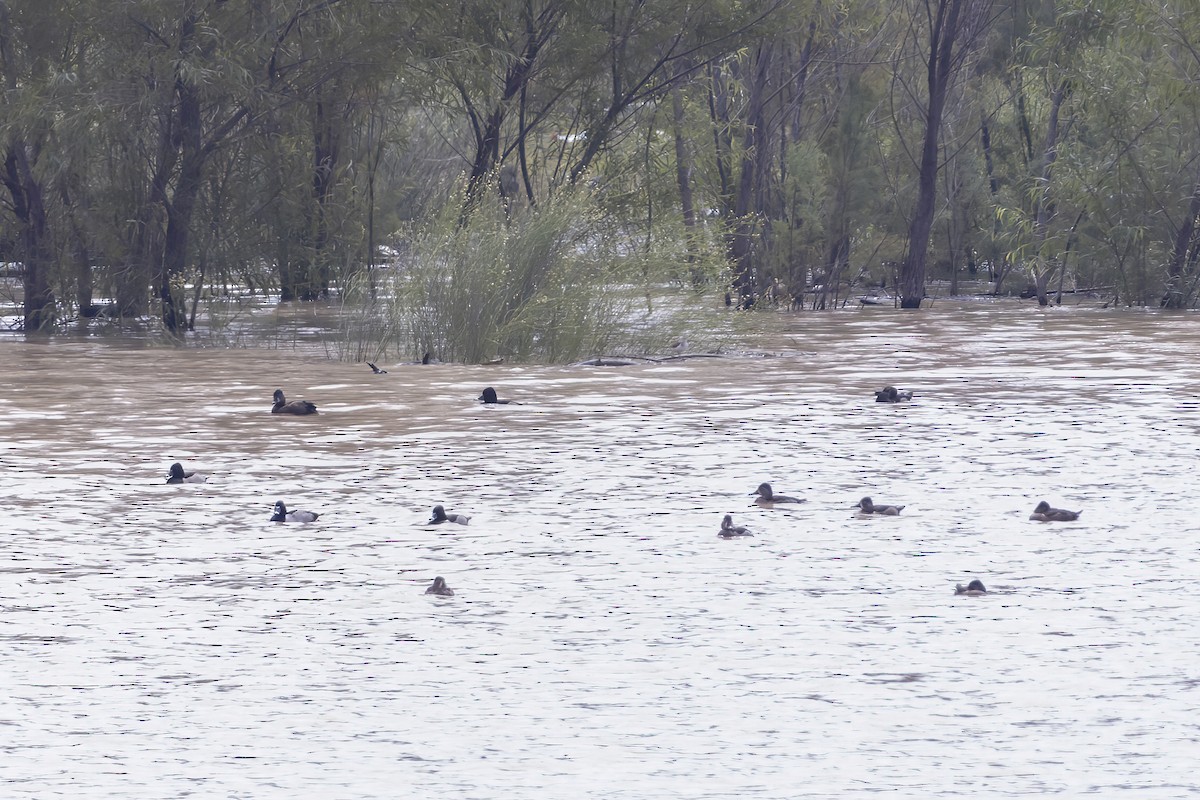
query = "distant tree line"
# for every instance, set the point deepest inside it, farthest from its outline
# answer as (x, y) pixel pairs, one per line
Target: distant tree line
(154, 150)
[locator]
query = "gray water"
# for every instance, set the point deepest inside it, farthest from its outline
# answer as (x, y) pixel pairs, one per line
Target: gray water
(169, 641)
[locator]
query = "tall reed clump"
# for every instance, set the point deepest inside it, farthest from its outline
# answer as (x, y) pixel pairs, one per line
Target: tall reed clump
(553, 283)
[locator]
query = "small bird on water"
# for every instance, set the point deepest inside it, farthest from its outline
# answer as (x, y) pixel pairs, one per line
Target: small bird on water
(869, 507)
(972, 589)
(489, 398)
(440, 516)
(767, 497)
(729, 530)
(890, 394)
(439, 587)
(297, 407)
(283, 515)
(1045, 513)
(178, 475)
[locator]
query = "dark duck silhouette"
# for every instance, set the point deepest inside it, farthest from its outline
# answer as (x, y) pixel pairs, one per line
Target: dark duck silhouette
(730, 531)
(376, 369)
(868, 507)
(1045, 513)
(283, 515)
(890, 394)
(297, 407)
(439, 587)
(765, 496)
(489, 398)
(440, 516)
(178, 475)
(972, 589)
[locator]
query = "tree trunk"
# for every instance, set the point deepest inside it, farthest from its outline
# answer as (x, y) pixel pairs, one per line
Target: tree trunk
(521, 69)
(718, 111)
(30, 210)
(1175, 296)
(683, 173)
(951, 20)
(79, 251)
(182, 203)
(1045, 205)
(747, 200)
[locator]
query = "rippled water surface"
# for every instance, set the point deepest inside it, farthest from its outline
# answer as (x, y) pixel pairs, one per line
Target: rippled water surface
(168, 641)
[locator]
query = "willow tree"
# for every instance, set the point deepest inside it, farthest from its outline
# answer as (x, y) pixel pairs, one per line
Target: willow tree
(1178, 27)
(946, 33)
(28, 40)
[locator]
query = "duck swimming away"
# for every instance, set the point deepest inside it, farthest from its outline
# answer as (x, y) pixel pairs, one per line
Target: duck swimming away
(765, 496)
(868, 507)
(297, 407)
(283, 515)
(729, 530)
(376, 369)
(972, 589)
(177, 475)
(440, 516)
(1045, 513)
(439, 587)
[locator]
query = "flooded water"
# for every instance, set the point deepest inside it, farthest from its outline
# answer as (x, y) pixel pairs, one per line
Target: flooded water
(165, 641)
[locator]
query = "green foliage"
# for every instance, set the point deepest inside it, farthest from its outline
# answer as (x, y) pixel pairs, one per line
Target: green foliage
(554, 283)
(329, 128)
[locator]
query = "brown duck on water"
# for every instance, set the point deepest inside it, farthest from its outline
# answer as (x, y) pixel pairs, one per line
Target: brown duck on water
(1045, 513)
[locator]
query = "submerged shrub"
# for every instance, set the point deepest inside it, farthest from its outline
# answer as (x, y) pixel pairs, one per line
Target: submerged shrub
(559, 282)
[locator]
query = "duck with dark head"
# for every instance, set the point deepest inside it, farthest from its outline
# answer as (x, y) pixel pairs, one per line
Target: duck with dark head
(440, 516)
(1043, 512)
(730, 531)
(283, 515)
(296, 407)
(178, 475)
(489, 398)
(867, 506)
(767, 497)
(890, 394)
(440, 588)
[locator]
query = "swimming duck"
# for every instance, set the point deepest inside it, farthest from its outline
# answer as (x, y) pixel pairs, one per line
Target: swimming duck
(972, 589)
(869, 507)
(376, 369)
(765, 495)
(489, 398)
(179, 476)
(440, 516)
(439, 587)
(890, 394)
(283, 515)
(298, 407)
(729, 530)
(1044, 513)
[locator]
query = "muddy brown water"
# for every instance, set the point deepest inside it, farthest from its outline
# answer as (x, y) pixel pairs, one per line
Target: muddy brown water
(168, 641)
